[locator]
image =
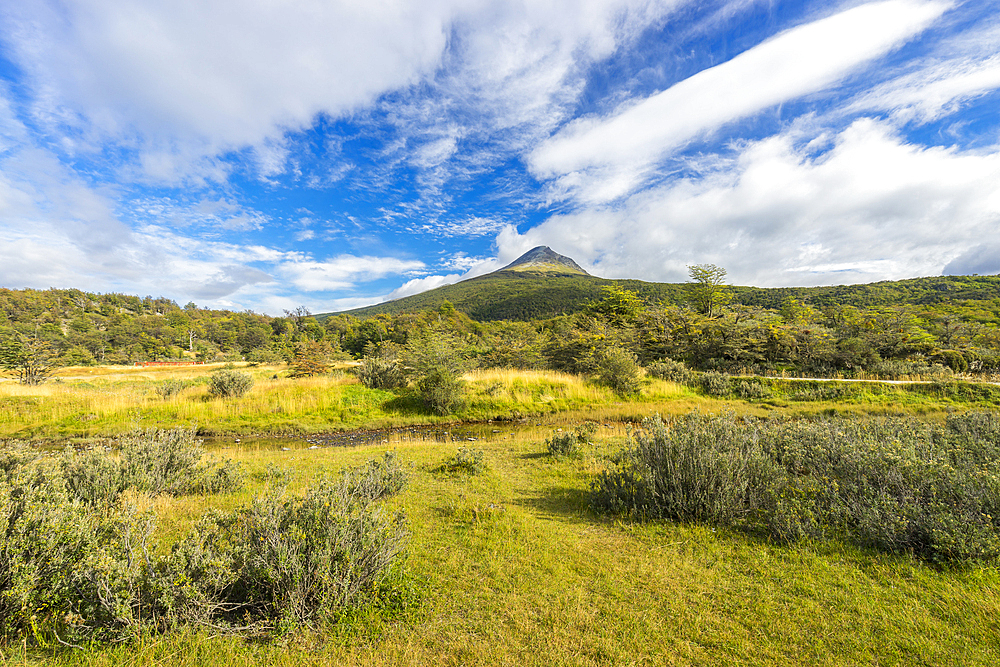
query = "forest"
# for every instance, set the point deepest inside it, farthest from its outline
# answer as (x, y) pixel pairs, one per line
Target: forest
(920, 327)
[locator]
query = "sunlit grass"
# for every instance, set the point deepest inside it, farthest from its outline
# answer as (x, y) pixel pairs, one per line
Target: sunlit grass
(103, 401)
(512, 568)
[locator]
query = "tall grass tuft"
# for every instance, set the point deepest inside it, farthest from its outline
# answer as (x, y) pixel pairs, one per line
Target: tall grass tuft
(569, 444)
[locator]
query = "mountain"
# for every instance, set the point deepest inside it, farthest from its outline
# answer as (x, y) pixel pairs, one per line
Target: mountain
(542, 259)
(542, 283)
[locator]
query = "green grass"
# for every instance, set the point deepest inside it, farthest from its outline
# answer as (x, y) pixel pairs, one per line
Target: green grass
(113, 403)
(103, 402)
(510, 567)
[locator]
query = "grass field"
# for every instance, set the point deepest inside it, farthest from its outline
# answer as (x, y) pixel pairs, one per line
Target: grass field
(511, 567)
(106, 401)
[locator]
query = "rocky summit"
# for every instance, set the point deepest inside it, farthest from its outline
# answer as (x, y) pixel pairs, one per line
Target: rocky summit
(543, 259)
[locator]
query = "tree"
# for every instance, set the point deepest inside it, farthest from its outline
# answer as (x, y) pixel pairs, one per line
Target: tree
(32, 359)
(708, 293)
(434, 358)
(620, 307)
(311, 358)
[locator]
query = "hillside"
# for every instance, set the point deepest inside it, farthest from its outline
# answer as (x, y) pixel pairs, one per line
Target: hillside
(526, 295)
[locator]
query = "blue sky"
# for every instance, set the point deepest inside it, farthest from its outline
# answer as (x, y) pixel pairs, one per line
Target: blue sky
(265, 155)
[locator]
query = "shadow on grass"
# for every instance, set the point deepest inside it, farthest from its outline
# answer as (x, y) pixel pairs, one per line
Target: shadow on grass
(407, 404)
(561, 502)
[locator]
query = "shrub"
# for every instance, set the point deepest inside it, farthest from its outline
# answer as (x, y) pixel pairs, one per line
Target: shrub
(281, 562)
(565, 444)
(618, 370)
(435, 360)
(696, 469)
(893, 484)
(671, 371)
(896, 368)
(376, 479)
(442, 392)
(469, 461)
(153, 461)
(311, 358)
(752, 389)
(955, 360)
(380, 373)
(227, 383)
(67, 571)
(170, 388)
(72, 571)
(714, 383)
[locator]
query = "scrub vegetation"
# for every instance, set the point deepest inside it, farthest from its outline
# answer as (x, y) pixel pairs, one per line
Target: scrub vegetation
(520, 554)
(635, 492)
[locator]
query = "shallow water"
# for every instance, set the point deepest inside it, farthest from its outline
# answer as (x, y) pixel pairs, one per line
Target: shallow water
(452, 433)
(456, 433)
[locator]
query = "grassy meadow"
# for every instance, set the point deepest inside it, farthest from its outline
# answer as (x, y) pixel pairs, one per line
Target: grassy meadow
(511, 566)
(100, 402)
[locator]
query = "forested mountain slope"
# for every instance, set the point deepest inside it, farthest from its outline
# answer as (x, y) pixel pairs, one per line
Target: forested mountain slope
(526, 295)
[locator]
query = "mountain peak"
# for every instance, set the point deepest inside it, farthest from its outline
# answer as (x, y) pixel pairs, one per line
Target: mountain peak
(542, 259)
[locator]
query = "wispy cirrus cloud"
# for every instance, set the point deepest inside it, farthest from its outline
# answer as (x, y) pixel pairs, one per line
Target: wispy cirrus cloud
(934, 91)
(600, 159)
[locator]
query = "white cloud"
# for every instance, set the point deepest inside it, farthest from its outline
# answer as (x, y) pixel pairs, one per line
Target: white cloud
(873, 207)
(418, 285)
(343, 271)
(409, 288)
(208, 214)
(187, 80)
(460, 261)
(57, 230)
(219, 73)
(600, 159)
(934, 91)
(469, 227)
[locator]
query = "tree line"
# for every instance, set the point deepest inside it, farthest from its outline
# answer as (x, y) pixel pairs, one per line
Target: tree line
(705, 325)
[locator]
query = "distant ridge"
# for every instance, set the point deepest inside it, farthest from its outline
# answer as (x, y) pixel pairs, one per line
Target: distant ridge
(542, 259)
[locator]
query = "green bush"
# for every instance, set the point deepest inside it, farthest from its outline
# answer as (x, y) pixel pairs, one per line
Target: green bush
(442, 392)
(752, 389)
(170, 388)
(153, 461)
(715, 383)
(67, 571)
(376, 479)
(892, 484)
(695, 469)
(468, 461)
(71, 571)
(618, 370)
(435, 360)
(282, 562)
(380, 373)
(670, 370)
(568, 444)
(228, 383)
